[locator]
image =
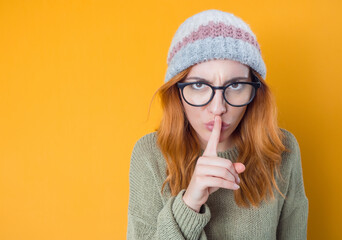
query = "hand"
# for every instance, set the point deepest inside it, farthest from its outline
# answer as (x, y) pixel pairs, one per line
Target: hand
(211, 172)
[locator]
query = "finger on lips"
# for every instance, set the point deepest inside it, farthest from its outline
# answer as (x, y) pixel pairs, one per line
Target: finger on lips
(211, 149)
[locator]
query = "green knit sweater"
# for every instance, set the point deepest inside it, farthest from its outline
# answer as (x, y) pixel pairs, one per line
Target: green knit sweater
(152, 215)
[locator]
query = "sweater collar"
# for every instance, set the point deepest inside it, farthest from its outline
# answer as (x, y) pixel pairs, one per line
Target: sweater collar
(231, 154)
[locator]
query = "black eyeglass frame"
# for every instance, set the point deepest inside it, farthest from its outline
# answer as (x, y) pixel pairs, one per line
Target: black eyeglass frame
(255, 83)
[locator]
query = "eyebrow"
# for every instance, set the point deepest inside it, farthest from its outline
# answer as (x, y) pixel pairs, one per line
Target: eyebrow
(226, 82)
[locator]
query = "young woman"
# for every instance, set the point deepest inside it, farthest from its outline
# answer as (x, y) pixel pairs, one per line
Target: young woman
(218, 166)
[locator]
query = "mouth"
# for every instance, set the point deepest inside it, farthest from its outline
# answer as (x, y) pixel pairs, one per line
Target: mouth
(210, 126)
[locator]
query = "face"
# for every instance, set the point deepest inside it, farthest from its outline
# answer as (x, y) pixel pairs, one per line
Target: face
(216, 72)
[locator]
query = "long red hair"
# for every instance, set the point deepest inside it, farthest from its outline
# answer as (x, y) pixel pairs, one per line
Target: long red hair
(258, 140)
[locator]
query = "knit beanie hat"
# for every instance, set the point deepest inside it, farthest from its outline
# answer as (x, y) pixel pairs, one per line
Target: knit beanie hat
(213, 34)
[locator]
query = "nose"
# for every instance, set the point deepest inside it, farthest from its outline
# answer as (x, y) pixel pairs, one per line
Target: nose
(217, 105)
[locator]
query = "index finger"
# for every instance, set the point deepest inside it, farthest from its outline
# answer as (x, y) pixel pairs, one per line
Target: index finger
(211, 149)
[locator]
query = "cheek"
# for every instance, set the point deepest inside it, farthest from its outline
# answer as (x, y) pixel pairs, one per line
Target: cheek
(238, 113)
(193, 114)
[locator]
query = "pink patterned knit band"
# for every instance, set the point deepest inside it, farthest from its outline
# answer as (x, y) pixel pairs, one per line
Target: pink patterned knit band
(215, 30)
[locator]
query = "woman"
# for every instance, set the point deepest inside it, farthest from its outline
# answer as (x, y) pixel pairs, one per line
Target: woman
(218, 166)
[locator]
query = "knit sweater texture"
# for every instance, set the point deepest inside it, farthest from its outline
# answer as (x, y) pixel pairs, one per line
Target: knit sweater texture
(152, 215)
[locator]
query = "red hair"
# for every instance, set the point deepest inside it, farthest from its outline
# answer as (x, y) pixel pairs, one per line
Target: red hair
(258, 139)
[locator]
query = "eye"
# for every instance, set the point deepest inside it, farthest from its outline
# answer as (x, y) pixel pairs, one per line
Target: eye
(236, 86)
(198, 86)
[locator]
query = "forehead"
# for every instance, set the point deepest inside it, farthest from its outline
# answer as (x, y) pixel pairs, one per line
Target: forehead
(219, 69)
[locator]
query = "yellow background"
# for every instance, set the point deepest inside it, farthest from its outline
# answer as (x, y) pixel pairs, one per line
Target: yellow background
(76, 81)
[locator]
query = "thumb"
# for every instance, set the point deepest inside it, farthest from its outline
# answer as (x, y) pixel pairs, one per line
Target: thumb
(239, 167)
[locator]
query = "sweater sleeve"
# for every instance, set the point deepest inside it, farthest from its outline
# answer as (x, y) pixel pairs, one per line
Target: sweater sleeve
(294, 215)
(148, 217)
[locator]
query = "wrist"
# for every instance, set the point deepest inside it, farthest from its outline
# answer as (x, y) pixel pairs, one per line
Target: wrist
(194, 207)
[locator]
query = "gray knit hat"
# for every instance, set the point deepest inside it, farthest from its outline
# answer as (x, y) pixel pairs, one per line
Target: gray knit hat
(213, 34)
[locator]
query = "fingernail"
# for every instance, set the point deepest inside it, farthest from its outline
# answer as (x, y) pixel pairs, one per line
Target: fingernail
(236, 186)
(238, 179)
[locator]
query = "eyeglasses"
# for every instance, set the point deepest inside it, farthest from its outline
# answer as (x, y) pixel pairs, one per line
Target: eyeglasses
(238, 93)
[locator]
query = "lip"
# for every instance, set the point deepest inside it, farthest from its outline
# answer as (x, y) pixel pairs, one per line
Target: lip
(210, 125)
